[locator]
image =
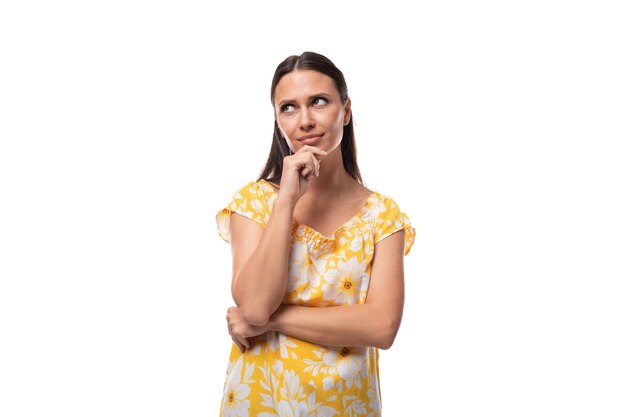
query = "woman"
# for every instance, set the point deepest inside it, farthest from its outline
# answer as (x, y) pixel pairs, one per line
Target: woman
(317, 261)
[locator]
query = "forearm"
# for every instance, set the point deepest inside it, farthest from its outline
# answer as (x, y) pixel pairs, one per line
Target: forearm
(260, 284)
(354, 325)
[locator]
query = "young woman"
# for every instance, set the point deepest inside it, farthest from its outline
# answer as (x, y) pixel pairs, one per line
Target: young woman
(318, 276)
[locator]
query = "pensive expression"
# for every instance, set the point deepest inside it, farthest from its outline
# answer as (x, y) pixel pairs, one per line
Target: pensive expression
(309, 110)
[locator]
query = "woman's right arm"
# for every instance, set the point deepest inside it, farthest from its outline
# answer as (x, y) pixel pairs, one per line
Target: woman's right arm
(260, 260)
(261, 255)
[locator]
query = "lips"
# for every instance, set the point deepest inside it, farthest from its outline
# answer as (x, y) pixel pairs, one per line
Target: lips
(308, 139)
(311, 141)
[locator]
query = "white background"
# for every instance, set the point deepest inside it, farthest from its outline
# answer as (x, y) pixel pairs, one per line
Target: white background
(498, 127)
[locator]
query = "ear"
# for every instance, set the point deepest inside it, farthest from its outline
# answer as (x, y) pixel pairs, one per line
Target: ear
(348, 111)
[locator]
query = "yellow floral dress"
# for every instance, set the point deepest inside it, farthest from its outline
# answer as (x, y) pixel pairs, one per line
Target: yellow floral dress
(284, 376)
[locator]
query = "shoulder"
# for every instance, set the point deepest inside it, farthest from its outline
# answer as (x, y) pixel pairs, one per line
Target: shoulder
(259, 189)
(382, 204)
(249, 200)
(268, 184)
(253, 197)
(388, 218)
(384, 209)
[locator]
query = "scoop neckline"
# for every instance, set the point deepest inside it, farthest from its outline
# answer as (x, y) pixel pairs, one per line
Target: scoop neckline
(358, 214)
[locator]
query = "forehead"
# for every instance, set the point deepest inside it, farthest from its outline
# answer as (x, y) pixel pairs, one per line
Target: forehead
(300, 84)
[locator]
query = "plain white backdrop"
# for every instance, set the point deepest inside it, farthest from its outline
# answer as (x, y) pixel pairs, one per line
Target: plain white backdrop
(498, 127)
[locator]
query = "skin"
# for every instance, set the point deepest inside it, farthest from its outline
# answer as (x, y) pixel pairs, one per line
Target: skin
(307, 102)
(316, 189)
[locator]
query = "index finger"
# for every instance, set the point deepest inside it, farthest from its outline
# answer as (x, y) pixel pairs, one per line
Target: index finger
(315, 150)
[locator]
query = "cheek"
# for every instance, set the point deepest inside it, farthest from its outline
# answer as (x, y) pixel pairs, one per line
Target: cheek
(338, 124)
(284, 130)
(287, 125)
(285, 133)
(336, 119)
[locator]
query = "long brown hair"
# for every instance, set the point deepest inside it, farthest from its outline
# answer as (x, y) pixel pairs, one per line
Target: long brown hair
(312, 61)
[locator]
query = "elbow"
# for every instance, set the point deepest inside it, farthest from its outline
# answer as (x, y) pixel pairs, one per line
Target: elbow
(253, 310)
(254, 316)
(384, 343)
(250, 313)
(387, 334)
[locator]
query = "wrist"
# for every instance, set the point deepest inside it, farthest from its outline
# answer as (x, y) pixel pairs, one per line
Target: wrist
(286, 201)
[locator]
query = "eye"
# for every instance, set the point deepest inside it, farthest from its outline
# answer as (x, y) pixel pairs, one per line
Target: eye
(319, 101)
(285, 108)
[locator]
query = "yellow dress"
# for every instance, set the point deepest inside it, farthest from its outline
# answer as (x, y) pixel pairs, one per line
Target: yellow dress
(284, 376)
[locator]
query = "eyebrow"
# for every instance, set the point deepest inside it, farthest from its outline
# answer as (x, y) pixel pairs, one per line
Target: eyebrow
(310, 97)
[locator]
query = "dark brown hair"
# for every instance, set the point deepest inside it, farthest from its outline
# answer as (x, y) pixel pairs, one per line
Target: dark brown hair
(312, 61)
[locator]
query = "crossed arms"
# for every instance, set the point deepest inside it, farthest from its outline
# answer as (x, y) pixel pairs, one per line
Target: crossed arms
(260, 262)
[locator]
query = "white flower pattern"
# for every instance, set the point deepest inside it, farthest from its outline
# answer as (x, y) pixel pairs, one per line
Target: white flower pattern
(235, 402)
(348, 363)
(304, 272)
(284, 376)
(347, 283)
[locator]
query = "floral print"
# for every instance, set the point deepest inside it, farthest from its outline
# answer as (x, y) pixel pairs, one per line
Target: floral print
(235, 402)
(284, 376)
(347, 283)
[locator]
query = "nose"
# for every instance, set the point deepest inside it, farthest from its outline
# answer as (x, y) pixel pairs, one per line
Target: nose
(306, 120)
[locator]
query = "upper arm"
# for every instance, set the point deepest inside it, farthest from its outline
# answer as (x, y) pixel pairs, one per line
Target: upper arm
(386, 287)
(393, 237)
(241, 223)
(245, 235)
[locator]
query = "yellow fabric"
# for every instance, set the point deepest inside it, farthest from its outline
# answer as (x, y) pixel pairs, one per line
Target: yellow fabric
(284, 376)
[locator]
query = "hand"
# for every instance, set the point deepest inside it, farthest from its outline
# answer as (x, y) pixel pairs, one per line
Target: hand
(298, 171)
(239, 330)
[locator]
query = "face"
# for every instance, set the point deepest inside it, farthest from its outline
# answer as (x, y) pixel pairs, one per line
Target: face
(309, 110)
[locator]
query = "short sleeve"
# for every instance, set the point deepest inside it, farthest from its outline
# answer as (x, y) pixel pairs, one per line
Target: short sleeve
(249, 201)
(390, 220)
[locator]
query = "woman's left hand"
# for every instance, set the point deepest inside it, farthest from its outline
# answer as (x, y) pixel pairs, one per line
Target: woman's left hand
(239, 330)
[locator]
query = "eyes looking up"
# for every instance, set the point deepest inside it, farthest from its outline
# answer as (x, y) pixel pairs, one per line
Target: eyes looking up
(316, 102)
